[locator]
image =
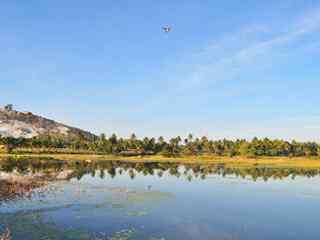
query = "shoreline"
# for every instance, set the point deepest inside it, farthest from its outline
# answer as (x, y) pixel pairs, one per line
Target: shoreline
(238, 161)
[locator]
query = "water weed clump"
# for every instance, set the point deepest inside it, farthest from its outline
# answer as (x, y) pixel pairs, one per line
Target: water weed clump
(138, 213)
(124, 234)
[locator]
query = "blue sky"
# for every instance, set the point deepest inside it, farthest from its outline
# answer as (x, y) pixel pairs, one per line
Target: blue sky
(227, 69)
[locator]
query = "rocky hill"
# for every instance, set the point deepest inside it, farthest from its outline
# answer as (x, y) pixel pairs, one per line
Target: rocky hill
(27, 125)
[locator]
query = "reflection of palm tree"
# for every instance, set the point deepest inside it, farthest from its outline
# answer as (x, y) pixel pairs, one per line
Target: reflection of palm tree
(113, 167)
(102, 174)
(112, 172)
(131, 174)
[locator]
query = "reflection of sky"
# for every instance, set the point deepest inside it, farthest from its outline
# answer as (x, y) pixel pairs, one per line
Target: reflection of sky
(217, 207)
(276, 207)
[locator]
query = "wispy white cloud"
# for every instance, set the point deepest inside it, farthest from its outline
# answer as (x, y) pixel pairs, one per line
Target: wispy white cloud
(251, 49)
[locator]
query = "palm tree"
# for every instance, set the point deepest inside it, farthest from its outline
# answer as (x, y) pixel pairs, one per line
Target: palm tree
(161, 140)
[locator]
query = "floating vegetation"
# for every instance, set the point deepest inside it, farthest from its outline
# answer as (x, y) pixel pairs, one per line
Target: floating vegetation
(33, 225)
(100, 205)
(118, 205)
(138, 213)
(144, 195)
(125, 234)
(139, 196)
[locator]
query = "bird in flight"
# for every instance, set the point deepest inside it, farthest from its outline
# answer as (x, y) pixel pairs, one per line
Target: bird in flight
(166, 29)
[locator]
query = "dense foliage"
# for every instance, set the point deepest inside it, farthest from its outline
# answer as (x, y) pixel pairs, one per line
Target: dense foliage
(173, 147)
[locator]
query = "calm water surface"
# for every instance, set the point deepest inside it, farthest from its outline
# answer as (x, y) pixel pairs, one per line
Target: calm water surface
(160, 201)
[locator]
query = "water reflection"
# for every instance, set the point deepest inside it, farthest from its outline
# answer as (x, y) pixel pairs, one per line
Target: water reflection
(53, 169)
(100, 200)
(19, 178)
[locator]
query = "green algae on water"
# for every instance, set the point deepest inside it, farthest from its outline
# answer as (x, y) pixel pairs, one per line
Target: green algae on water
(124, 234)
(138, 213)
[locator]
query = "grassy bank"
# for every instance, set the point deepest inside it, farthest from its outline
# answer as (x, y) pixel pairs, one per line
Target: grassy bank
(279, 162)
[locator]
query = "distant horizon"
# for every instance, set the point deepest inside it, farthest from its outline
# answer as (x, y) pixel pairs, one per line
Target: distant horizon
(225, 70)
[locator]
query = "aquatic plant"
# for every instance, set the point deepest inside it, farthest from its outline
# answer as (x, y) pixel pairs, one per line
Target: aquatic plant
(138, 213)
(124, 234)
(35, 226)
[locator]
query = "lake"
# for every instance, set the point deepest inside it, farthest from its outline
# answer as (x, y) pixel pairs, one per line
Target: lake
(42, 199)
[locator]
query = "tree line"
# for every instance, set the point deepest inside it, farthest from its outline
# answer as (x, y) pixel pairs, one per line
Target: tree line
(173, 147)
